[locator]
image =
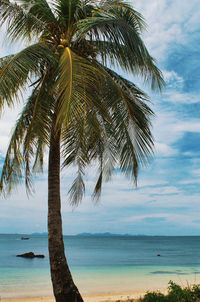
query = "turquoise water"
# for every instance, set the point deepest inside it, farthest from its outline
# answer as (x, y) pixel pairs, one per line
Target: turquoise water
(123, 263)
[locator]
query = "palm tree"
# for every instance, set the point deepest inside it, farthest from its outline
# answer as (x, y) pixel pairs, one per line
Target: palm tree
(78, 108)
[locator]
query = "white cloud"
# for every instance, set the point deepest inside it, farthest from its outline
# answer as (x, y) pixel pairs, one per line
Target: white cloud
(163, 149)
(189, 181)
(184, 98)
(191, 202)
(174, 84)
(196, 172)
(7, 122)
(181, 219)
(172, 79)
(168, 129)
(188, 126)
(164, 190)
(169, 22)
(166, 132)
(149, 182)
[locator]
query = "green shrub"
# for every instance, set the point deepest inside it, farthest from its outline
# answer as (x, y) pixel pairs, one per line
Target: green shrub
(186, 294)
(175, 294)
(154, 297)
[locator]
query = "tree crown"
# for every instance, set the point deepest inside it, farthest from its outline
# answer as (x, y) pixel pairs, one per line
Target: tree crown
(102, 117)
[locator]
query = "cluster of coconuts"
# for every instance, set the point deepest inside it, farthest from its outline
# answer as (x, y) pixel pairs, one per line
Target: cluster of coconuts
(61, 46)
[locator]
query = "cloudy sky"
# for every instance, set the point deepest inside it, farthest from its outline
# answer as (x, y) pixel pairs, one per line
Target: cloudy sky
(167, 199)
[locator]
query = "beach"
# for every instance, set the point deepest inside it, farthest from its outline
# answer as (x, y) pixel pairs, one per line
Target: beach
(119, 294)
(101, 286)
(88, 298)
(91, 298)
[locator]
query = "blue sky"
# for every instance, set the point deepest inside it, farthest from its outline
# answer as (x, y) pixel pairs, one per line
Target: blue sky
(167, 199)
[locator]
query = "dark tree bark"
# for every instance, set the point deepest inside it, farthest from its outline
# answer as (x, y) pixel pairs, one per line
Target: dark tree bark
(63, 286)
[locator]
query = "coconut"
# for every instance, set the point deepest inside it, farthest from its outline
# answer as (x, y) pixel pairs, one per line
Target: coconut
(64, 42)
(60, 46)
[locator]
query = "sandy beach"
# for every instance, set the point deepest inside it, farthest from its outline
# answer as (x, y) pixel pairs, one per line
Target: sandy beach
(94, 297)
(107, 295)
(89, 298)
(108, 291)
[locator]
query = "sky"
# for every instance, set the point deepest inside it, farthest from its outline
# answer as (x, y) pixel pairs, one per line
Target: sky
(167, 198)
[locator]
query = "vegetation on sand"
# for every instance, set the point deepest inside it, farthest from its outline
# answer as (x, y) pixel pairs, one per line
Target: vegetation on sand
(176, 293)
(78, 107)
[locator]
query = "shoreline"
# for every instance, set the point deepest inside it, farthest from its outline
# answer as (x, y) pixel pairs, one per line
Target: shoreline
(87, 298)
(136, 288)
(94, 297)
(107, 295)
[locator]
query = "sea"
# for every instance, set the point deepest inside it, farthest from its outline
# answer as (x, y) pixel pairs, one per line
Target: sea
(100, 265)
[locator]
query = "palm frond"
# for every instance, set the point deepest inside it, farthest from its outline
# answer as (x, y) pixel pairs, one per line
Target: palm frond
(124, 140)
(28, 20)
(125, 10)
(18, 70)
(67, 11)
(106, 153)
(98, 187)
(30, 136)
(81, 139)
(132, 122)
(12, 172)
(19, 23)
(39, 156)
(121, 56)
(77, 190)
(119, 30)
(77, 84)
(5, 60)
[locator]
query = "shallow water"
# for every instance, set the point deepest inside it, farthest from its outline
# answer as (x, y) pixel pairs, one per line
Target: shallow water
(100, 264)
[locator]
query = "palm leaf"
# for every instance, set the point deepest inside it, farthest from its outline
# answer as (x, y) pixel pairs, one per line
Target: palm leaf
(30, 136)
(119, 29)
(77, 84)
(77, 190)
(27, 20)
(132, 121)
(123, 140)
(18, 70)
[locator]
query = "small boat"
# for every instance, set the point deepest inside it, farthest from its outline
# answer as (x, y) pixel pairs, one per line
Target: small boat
(25, 238)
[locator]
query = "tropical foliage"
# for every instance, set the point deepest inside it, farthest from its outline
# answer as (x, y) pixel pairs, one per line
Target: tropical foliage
(175, 293)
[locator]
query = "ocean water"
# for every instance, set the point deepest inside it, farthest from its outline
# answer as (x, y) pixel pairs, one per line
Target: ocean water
(100, 264)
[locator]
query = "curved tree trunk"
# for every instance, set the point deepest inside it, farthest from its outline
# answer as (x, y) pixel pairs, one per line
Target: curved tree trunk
(63, 286)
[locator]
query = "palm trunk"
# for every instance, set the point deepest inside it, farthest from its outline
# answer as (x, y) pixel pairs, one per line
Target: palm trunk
(63, 286)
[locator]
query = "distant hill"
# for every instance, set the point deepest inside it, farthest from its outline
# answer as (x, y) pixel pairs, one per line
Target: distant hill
(106, 234)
